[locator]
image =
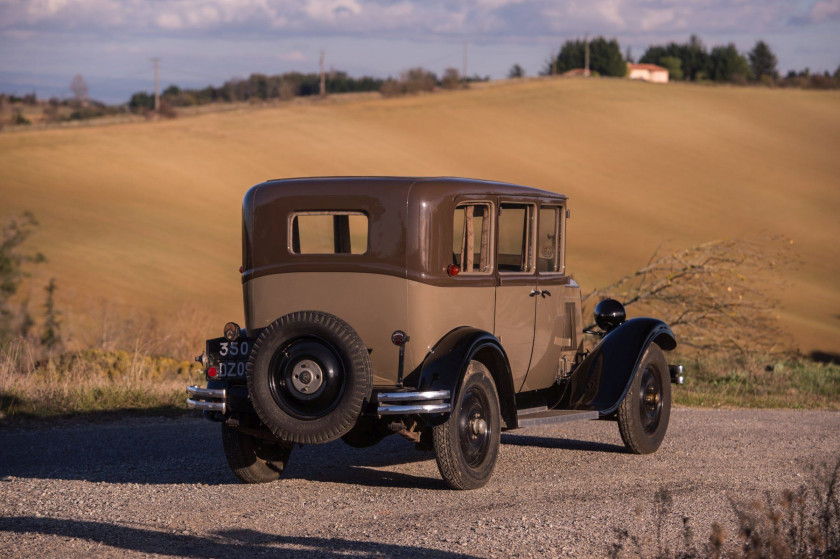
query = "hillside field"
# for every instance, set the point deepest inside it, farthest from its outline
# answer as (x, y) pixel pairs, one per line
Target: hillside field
(145, 217)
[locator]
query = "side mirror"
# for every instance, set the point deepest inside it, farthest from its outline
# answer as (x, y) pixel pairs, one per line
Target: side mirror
(609, 314)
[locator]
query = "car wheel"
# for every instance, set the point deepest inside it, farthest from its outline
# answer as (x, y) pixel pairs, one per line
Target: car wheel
(252, 459)
(309, 376)
(644, 413)
(467, 444)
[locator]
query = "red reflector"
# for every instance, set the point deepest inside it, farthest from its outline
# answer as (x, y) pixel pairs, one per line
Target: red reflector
(241, 269)
(453, 270)
(212, 372)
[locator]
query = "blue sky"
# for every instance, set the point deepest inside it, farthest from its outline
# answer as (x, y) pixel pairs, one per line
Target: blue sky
(44, 43)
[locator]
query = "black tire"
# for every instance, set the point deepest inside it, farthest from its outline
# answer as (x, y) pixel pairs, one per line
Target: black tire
(644, 413)
(465, 450)
(309, 376)
(254, 460)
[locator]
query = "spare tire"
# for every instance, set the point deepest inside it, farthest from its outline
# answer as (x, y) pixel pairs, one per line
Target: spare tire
(309, 376)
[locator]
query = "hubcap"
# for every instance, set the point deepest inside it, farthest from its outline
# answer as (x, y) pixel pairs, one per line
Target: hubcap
(650, 400)
(473, 428)
(307, 377)
(478, 426)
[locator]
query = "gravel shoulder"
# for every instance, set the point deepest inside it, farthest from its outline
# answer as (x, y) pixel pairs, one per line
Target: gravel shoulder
(161, 488)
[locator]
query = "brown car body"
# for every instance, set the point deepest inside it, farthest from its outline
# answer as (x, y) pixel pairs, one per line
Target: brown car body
(441, 280)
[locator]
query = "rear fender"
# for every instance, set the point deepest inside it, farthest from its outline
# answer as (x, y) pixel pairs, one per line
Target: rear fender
(602, 380)
(446, 364)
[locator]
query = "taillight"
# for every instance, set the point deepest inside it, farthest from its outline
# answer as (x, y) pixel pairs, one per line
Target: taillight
(212, 372)
(453, 270)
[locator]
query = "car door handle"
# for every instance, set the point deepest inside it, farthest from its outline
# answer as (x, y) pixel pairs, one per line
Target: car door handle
(545, 293)
(535, 292)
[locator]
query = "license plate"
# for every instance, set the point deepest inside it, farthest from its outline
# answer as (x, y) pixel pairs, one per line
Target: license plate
(230, 359)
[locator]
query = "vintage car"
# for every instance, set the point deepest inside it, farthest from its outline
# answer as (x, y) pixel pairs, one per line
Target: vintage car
(437, 308)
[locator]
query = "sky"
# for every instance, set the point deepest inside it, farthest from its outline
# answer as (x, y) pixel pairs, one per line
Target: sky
(44, 43)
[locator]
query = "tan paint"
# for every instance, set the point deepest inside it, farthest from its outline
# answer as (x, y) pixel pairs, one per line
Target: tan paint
(554, 331)
(434, 311)
(515, 325)
(374, 305)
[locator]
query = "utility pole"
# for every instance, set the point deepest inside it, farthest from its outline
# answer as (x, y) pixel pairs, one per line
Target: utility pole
(157, 86)
(586, 57)
(323, 76)
(554, 63)
(464, 69)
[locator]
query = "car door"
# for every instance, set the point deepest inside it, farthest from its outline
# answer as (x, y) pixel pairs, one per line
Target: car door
(517, 284)
(554, 322)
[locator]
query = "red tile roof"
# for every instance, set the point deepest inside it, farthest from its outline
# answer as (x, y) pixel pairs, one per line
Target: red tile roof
(650, 67)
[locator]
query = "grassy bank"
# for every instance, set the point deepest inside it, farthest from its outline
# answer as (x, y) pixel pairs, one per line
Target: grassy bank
(94, 382)
(759, 382)
(89, 382)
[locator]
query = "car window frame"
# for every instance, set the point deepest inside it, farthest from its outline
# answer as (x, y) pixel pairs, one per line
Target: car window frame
(532, 210)
(333, 213)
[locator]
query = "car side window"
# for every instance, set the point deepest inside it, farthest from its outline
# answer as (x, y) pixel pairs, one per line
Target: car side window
(329, 232)
(471, 238)
(515, 238)
(549, 246)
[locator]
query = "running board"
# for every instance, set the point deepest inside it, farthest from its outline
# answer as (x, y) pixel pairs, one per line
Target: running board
(543, 416)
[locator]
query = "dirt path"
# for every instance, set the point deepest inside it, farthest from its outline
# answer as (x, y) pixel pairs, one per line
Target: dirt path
(161, 487)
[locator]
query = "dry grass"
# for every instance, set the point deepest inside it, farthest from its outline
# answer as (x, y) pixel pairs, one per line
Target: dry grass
(88, 381)
(758, 381)
(146, 216)
(801, 523)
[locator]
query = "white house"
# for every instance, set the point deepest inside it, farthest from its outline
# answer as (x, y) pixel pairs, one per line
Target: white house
(647, 72)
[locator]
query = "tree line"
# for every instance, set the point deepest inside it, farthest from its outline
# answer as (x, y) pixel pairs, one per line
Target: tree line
(257, 87)
(689, 61)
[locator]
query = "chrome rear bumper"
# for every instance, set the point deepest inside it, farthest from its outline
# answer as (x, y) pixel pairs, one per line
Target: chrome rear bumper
(400, 403)
(207, 399)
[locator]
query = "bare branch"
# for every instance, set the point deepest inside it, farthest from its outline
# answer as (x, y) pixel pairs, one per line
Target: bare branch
(714, 295)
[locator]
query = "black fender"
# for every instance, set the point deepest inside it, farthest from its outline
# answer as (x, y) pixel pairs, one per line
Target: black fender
(445, 365)
(602, 380)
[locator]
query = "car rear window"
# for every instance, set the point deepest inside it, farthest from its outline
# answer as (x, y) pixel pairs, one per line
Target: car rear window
(329, 232)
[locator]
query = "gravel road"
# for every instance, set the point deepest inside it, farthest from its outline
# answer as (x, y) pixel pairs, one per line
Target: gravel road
(161, 487)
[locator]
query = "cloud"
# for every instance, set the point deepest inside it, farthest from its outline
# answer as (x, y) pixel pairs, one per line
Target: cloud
(476, 19)
(292, 56)
(820, 12)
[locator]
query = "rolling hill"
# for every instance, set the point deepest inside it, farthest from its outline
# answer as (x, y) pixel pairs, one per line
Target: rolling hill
(146, 216)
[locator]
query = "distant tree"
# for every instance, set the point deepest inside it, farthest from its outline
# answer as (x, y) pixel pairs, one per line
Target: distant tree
(141, 101)
(18, 118)
(79, 88)
(604, 57)
(15, 231)
(451, 79)
(693, 56)
(726, 64)
(418, 79)
(696, 59)
(516, 71)
(51, 331)
(837, 73)
(674, 66)
(763, 62)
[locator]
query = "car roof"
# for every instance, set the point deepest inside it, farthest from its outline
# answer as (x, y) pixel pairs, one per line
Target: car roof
(397, 187)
